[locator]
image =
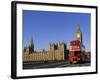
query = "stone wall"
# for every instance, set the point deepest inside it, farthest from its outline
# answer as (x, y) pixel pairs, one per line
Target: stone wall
(50, 55)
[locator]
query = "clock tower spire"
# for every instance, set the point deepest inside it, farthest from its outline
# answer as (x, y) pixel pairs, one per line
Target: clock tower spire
(79, 33)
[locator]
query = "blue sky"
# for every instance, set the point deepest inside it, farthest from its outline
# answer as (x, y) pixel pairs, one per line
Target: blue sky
(45, 27)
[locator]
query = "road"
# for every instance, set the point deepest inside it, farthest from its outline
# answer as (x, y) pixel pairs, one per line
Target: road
(38, 65)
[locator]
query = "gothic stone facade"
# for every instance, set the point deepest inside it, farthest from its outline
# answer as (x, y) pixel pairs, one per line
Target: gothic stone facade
(54, 53)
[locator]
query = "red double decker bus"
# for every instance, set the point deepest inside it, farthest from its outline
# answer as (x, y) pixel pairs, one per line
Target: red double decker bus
(75, 51)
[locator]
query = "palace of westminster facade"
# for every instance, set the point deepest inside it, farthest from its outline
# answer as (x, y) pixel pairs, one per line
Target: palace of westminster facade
(55, 52)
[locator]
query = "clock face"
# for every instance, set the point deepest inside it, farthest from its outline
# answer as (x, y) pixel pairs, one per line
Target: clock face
(78, 35)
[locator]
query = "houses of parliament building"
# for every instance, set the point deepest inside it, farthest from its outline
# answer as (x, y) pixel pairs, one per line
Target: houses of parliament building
(55, 52)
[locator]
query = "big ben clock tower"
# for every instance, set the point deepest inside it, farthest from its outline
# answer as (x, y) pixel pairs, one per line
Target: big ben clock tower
(79, 34)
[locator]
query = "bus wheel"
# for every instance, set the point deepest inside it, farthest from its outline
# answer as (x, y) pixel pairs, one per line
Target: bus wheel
(70, 62)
